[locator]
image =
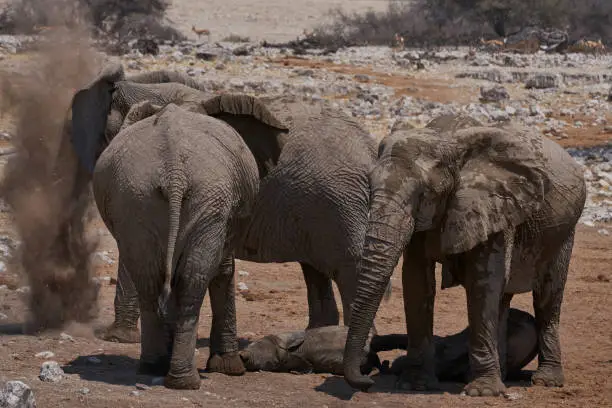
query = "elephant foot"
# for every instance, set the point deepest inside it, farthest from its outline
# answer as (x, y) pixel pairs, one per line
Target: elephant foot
(158, 368)
(547, 376)
(413, 377)
(118, 334)
(190, 381)
(485, 387)
(227, 363)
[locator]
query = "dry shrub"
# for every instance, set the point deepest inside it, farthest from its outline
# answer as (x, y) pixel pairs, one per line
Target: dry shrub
(463, 22)
(45, 187)
(119, 20)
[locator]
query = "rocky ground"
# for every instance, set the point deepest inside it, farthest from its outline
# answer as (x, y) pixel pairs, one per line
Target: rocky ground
(567, 97)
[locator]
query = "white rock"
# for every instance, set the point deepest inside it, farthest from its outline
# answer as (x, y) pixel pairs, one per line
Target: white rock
(604, 231)
(24, 290)
(51, 372)
(242, 286)
(3, 287)
(3, 316)
(134, 393)
(84, 391)
(16, 394)
(45, 354)
(66, 337)
(243, 273)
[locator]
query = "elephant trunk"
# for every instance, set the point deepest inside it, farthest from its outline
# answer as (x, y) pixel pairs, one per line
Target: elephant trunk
(390, 226)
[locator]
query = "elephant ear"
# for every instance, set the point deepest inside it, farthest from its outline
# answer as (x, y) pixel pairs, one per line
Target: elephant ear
(240, 104)
(290, 341)
(452, 122)
(140, 111)
(90, 109)
(502, 183)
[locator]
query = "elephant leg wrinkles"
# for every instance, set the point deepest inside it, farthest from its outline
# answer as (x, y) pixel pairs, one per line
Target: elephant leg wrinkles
(125, 327)
(485, 278)
(419, 286)
(322, 307)
(224, 355)
(547, 300)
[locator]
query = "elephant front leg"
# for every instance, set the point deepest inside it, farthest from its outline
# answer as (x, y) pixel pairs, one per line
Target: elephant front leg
(125, 327)
(547, 300)
(224, 357)
(502, 337)
(419, 285)
(322, 307)
(485, 279)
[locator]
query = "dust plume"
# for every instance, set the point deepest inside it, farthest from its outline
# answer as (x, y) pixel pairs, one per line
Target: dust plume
(48, 192)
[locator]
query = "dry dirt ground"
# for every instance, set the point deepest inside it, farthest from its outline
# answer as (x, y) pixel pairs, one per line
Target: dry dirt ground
(277, 302)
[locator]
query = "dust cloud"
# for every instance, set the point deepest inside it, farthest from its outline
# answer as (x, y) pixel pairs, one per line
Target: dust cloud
(49, 194)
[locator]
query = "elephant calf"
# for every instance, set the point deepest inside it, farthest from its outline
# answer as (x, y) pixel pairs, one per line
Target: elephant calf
(321, 350)
(174, 188)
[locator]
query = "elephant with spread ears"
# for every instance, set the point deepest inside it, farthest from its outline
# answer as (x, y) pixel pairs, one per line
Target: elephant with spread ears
(497, 207)
(312, 205)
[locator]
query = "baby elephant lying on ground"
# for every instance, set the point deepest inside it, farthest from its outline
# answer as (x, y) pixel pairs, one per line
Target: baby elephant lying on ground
(321, 350)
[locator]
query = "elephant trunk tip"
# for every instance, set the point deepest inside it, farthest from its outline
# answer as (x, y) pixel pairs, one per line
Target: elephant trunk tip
(359, 381)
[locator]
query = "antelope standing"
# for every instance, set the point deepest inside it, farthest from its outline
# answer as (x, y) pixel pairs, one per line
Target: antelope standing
(201, 31)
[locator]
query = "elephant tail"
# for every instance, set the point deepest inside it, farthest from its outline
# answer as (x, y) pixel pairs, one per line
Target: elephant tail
(175, 191)
(388, 291)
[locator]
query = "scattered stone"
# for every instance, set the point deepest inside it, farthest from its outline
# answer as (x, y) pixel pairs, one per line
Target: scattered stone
(66, 337)
(51, 372)
(83, 391)
(142, 387)
(16, 394)
(243, 273)
(493, 94)
(135, 393)
(45, 354)
(3, 316)
(604, 231)
(3, 287)
(23, 290)
(242, 287)
(543, 81)
(146, 46)
(512, 396)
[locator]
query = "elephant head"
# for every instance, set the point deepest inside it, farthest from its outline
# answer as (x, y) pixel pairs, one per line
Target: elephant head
(272, 352)
(458, 186)
(98, 110)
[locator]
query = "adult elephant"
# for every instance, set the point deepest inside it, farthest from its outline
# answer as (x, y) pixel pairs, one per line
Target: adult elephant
(174, 188)
(497, 206)
(313, 201)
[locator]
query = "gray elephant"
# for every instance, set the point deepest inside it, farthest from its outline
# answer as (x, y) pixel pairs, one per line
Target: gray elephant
(313, 202)
(497, 206)
(175, 188)
(321, 350)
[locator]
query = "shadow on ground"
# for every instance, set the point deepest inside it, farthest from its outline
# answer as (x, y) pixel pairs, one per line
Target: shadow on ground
(337, 387)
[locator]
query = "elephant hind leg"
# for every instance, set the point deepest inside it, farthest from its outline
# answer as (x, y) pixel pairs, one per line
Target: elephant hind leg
(322, 307)
(125, 327)
(224, 357)
(547, 300)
